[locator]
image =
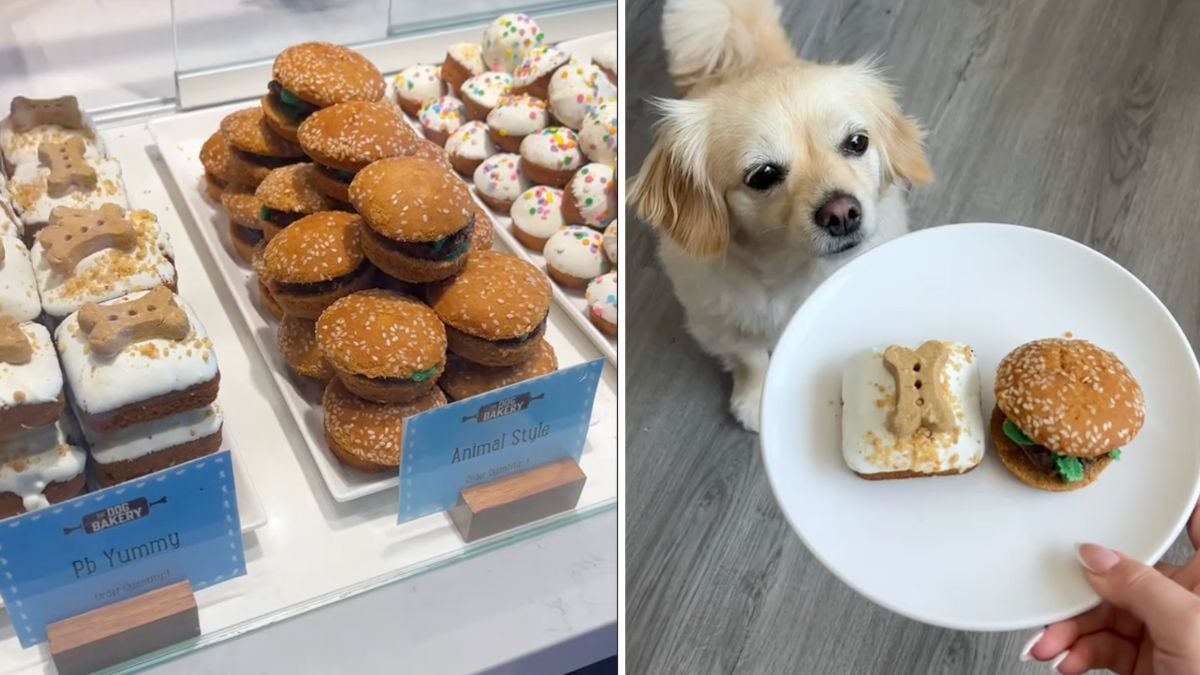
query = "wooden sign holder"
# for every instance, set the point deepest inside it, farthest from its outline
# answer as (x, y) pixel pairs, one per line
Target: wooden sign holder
(121, 631)
(486, 509)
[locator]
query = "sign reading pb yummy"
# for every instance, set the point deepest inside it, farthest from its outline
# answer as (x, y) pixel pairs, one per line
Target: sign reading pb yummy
(178, 524)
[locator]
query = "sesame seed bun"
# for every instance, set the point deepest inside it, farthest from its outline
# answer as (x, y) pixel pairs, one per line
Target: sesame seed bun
(323, 74)
(481, 236)
(411, 200)
(1015, 460)
(495, 297)
(247, 131)
(368, 435)
(292, 189)
(381, 334)
(427, 149)
(1070, 396)
(297, 342)
(316, 248)
(214, 155)
(464, 378)
(242, 206)
(349, 136)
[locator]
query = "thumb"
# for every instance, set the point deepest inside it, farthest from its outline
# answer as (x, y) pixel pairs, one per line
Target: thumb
(1170, 612)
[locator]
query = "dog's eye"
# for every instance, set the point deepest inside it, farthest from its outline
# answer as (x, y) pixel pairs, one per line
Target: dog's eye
(855, 144)
(764, 177)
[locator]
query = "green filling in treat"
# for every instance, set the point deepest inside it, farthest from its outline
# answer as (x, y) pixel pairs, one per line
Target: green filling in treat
(424, 374)
(1069, 468)
(264, 213)
(1016, 435)
(289, 98)
(1115, 454)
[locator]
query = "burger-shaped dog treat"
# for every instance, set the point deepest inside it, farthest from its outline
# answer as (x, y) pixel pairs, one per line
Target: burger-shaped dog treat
(367, 435)
(214, 155)
(418, 217)
(288, 194)
(314, 75)
(495, 310)
(316, 261)
(384, 346)
(245, 228)
(344, 138)
(1064, 410)
(255, 149)
(464, 379)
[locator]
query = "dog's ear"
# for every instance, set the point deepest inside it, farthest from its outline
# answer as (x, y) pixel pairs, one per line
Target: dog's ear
(902, 140)
(673, 193)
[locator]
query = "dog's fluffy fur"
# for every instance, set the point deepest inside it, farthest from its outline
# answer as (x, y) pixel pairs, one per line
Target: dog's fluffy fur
(742, 260)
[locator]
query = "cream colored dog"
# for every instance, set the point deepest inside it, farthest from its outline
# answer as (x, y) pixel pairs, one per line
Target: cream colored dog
(771, 173)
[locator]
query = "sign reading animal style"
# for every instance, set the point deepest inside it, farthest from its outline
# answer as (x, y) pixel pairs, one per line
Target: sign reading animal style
(178, 524)
(495, 435)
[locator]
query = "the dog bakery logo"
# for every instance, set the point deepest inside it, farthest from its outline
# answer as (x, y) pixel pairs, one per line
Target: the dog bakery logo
(115, 516)
(508, 406)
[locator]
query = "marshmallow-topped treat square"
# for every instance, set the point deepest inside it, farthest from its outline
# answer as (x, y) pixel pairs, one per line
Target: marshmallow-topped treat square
(910, 412)
(137, 358)
(31, 383)
(18, 288)
(39, 468)
(92, 255)
(31, 122)
(64, 176)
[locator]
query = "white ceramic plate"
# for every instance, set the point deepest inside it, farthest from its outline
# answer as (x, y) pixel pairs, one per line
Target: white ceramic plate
(981, 551)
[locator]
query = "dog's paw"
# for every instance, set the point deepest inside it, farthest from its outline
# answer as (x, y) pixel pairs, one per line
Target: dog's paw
(745, 405)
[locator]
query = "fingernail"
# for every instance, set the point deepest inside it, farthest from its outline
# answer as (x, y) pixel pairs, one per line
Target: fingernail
(1026, 651)
(1096, 558)
(1058, 660)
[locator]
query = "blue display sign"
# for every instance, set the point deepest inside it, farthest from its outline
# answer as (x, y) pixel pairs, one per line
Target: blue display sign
(118, 543)
(497, 434)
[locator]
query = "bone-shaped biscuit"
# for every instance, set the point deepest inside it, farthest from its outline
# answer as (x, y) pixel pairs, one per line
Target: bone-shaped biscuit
(14, 344)
(110, 328)
(27, 113)
(921, 401)
(69, 169)
(74, 234)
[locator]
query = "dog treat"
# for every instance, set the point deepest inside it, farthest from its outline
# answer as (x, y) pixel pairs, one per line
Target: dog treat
(601, 299)
(533, 75)
(417, 84)
(575, 255)
(31, 383)
(536, 216)
(18, 287)
(32, 197)
(468, 146)
(69, 169)
(920, 401)
(464, 379)
(440, 117)
(481, 93)
(598, 133)
(145, 380)
(514, 118)
(10, 225)
(368, 435)
(101, 273)
(551, 156)
(39, 468)
(611, 241)
(574, 89)
(114, 326)
(508, 39)
(28, 113)
(605, 58)
(871, 399)
(500, 182)
(141, 449)
(464, 60)
(591, 196)
(74, 234)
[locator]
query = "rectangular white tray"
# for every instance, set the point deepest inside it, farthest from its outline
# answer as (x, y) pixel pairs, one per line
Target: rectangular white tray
(179, 139)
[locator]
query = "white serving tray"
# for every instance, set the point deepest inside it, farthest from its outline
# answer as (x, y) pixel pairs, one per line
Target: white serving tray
(179, 139)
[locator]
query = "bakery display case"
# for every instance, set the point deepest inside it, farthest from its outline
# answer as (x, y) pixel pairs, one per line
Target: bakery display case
(370, 305)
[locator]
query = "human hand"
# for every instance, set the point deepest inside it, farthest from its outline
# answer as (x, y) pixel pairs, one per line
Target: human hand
(1149, 622)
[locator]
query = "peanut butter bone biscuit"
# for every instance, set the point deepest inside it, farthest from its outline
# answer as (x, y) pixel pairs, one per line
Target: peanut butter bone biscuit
(69, 169)
(921, 401)
(110, 328)
(74, 234)
(28, 113)
(14, 345)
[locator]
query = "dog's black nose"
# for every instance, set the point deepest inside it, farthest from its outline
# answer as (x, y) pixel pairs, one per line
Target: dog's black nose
(840, 215)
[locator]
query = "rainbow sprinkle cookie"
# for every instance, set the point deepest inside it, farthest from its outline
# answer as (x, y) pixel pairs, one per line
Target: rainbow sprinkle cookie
(508, 39)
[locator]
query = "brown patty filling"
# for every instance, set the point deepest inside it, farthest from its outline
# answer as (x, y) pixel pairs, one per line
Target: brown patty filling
(323, 287)
(337, 175)
(1043, 459)
(263, 160)
(248, 234)
(280, 218)
(446, 248)
(537, 331)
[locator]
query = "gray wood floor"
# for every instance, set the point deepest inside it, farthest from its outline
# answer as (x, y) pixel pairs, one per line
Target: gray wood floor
(1078, 117)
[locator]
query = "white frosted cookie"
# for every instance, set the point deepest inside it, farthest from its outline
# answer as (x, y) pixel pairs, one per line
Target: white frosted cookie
(601, 297)
(606, 57)
(37, 382)
(29, 196)
(139, 371)
(576, 87)
(598, 133)
(611, 241)
(108, 273)
(575, 255)
(499, 180)
(417, 84)
(468, 55)
(18, 287)
(470, 142)
(32, 461)
(518, 116)
(22, 147)
(485, 90)
(871, 449)
(143, 439)
(539, 63)
(440, 117)
(537, 215)
(507, 39)
(554, 153)
(591, 196)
